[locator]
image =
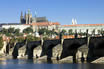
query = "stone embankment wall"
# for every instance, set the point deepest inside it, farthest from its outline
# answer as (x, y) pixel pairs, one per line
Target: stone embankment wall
(99, 60)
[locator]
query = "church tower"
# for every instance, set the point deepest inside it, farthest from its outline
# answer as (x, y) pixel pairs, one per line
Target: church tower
(28, 18)
(74, 21)
(21, 18)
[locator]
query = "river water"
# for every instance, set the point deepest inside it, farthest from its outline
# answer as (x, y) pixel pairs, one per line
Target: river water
(36, 64)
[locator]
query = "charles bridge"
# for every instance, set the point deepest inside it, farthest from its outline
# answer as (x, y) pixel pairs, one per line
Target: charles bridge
(86, 49)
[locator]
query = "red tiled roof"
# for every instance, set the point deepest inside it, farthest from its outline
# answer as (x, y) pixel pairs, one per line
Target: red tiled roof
(45, 23)
(84, 25)
(56, 23)
(26, 24)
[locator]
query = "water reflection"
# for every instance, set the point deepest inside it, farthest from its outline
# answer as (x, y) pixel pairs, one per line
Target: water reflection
(43, 64)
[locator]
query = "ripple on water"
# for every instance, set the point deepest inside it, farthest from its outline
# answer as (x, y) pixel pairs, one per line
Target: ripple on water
(43, 64)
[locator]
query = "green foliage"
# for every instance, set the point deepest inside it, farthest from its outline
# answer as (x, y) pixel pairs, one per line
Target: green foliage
(12, 40)
(45, 38)
(63, 31)
(21, 39)
(46, 32)
(17, 31)
(1, 42)
(11, 30)
(42, 31)
(28, 30)
(93, 31)
(8, 34)
(70, 32)
(4, 31)
(32, 38)
(82, 33)
(99, 31)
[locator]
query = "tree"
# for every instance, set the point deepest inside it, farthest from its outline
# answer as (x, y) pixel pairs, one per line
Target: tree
(4, 31)
(63, 31)
(47, 33)
(1, 42)
(17, 32)
(28, 30)
(70, 31)
(102, 32)
(99, 31)
(11, 30)
(43, 31)
(93, 32)
(32, 38)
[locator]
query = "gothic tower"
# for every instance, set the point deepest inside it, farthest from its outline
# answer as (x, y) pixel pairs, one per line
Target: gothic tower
(28, 18)
(21, 18)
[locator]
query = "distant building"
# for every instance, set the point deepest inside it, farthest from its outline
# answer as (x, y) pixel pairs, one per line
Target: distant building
(16, 26)
(38, 22)
(74, 21)
(35, 22)
(28, 19)
(96, 28)
(47, 25)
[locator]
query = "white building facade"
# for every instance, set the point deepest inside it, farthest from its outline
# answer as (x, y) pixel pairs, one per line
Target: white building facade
(16, 26)
(83, 27)
(46, 25)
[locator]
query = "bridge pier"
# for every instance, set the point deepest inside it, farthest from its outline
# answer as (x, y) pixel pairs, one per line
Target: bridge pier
(16, 48)
(21, 52)
(15, 52)
(56, 51)
(81, 56)
(30, 53)
(32, 48)
(3, 50)
(37, 52)
(74, 58)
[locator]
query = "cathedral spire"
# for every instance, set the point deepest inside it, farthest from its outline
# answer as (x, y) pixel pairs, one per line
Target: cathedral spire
(35, 14)
(21, 17)
(25, 15)
(28, 11)
(21, 13)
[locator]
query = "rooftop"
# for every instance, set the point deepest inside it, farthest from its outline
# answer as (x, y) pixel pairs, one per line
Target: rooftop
(45, 23)
(83, 25)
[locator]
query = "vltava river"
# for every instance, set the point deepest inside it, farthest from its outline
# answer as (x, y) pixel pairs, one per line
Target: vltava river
(34, 64)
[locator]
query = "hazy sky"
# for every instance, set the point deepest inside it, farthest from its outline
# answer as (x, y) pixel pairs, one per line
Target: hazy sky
(85, 11)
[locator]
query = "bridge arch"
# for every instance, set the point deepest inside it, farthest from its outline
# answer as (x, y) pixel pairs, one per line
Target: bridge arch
(30, 48)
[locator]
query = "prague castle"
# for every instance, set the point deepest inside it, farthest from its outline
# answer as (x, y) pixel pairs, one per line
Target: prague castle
(36, 23)
(28, 19)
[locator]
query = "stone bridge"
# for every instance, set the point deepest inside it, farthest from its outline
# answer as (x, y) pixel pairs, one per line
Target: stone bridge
(79, 48)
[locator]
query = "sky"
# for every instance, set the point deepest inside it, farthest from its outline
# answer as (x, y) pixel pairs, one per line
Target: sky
(62, 11)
